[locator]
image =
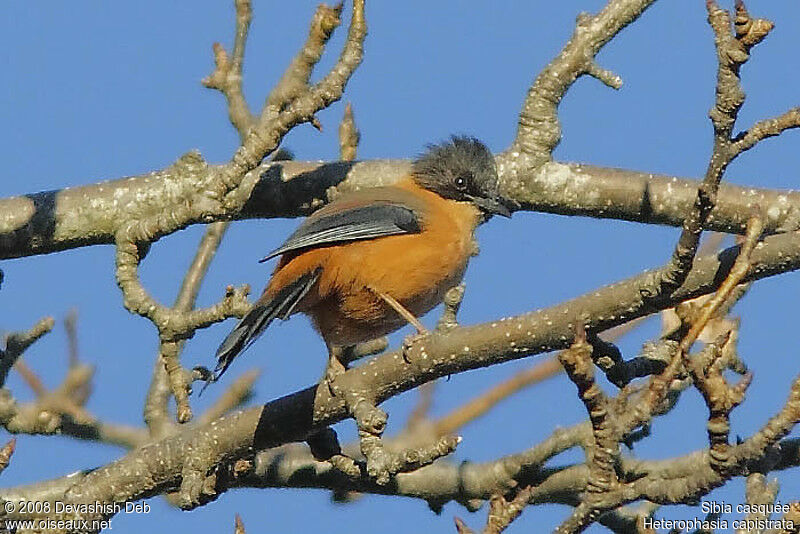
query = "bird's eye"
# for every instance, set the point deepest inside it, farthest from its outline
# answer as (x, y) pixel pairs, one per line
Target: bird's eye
(461, 182)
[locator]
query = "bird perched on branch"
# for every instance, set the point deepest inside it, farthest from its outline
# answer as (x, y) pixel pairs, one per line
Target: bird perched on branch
(372, 261)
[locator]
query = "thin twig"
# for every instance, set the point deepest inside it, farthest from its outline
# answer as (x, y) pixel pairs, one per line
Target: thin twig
(18, 342)
(539, 130)
(6, 452)
(227, 75)
(480, 405)
(349, 136)
(238, 527)
(732, 52)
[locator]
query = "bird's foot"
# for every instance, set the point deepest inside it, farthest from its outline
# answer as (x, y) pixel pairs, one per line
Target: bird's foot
(334, 369)
(410, 341)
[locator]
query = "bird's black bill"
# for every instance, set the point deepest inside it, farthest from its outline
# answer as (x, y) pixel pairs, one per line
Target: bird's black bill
(492, 206)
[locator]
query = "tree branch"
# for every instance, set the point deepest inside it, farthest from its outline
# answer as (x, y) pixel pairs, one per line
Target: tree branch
(42, 223)
(166, 464)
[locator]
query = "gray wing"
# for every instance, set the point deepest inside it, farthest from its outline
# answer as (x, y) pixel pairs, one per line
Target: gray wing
(331, 226)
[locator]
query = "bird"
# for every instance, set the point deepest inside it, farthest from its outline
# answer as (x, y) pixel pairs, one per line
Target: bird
(373, 260)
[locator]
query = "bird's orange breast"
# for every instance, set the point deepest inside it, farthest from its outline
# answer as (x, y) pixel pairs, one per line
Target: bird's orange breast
(415, 269)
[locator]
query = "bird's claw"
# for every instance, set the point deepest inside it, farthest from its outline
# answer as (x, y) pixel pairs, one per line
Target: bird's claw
(410, 341)
(333, 371)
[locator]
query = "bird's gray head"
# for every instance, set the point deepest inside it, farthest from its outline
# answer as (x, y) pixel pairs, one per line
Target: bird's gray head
(462, 169)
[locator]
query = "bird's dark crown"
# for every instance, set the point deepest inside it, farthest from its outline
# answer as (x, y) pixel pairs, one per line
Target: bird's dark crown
(462, 169)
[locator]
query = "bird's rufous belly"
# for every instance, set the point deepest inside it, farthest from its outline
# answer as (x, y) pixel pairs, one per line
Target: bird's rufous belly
(416, 270)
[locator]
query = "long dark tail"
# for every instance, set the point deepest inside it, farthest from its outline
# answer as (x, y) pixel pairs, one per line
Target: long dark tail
(252, 325)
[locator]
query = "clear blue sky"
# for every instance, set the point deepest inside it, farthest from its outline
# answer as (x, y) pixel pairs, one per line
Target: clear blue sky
(95, 91)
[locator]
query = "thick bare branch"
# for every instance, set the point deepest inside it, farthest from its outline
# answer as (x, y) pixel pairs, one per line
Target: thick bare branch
(165, 464)
(42, 223)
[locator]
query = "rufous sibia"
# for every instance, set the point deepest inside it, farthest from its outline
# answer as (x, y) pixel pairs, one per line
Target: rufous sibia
(374, 260)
